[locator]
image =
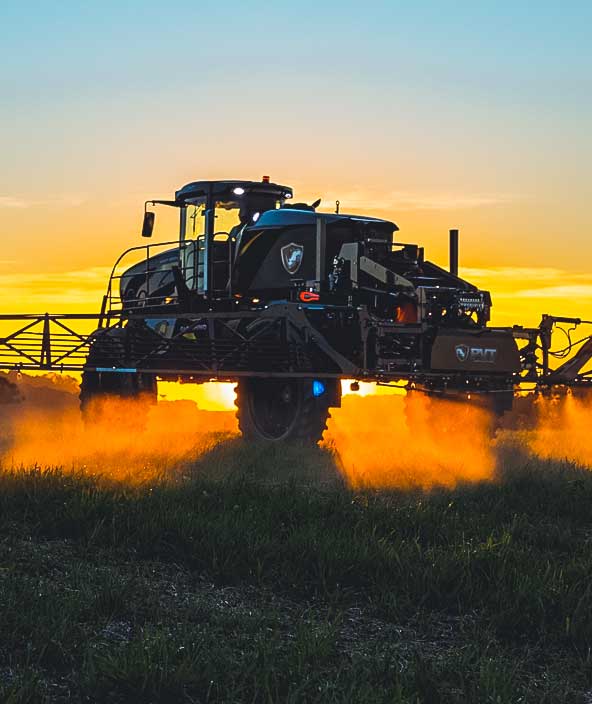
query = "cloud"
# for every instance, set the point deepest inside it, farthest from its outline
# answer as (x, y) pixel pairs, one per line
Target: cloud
(520, 294)
(82, 276)
(12, 202)
(446, 201)
(515, 274)
(409, 200)
(544, 283)
(56, 291)
(575, 292)
(61, 201)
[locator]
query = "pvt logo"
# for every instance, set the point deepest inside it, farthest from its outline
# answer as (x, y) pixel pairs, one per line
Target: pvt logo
(462, 352)
(292, 257)
(465, 353)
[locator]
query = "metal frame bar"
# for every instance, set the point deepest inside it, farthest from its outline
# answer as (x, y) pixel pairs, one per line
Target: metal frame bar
(48, 342)
(321, 240)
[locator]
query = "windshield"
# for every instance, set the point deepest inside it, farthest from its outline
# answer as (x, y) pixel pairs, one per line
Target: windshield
(227, 216)
(193, 221)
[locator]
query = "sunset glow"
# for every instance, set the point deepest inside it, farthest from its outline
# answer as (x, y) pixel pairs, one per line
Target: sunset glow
(443, 116)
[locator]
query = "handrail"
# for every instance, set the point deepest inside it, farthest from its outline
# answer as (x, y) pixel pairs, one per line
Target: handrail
(110, 298)
(193, 268)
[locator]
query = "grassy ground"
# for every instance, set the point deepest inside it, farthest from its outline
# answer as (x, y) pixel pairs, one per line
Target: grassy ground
(235, 587)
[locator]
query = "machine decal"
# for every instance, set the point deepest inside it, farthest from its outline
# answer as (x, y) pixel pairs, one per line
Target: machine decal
(462, 352)
(475, 354)
(292, 257)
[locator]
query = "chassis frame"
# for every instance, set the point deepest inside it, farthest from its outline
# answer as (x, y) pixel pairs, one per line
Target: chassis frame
(226, 349)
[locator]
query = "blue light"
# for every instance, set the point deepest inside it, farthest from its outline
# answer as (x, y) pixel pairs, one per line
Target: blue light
(318, 388)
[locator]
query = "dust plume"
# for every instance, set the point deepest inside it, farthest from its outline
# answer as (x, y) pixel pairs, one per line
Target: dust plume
(391, 441)
(127, 440)
(369, 436)
(561, 429)
(377, 441)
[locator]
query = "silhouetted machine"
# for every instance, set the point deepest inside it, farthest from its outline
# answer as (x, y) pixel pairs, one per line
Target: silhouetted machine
(287, 301)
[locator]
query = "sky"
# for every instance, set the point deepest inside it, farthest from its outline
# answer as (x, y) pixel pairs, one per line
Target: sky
(437, 115)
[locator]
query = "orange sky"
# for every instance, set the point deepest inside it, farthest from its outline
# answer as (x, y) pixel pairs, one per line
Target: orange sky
(435, 115)
(61, 259)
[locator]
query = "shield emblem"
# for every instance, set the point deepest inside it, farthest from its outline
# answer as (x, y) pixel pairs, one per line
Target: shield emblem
(292, 257)
(462, 352)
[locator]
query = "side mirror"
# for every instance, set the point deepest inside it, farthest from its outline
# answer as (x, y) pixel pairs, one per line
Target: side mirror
(148, 224)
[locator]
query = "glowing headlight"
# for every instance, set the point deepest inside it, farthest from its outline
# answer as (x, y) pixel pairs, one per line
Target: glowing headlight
(238, 191)
(318, 388)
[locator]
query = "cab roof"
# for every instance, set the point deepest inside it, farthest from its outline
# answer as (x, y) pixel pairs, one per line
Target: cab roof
(226, 190)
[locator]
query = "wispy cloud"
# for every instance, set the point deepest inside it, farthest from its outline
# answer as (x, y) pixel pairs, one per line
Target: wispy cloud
(532, 282)
(62, 280)
(56, 291)
(59, 201)
(12, 202)
(410, 200)
(517, 274)
(576, 292)
(447, 201)
(521, 294)
(358, 199)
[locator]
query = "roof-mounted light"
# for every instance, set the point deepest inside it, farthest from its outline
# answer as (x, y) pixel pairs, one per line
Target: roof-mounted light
(265, 179)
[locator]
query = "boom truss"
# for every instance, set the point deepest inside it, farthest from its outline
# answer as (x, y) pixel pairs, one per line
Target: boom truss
(277, 342)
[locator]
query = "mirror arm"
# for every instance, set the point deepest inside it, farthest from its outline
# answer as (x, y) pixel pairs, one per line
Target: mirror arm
(148, 224)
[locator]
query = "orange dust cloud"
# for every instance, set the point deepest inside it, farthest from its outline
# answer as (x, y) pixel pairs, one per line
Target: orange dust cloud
(380, 440)
(134, 441)
(562, 430)
(392, 441)
(125, 440)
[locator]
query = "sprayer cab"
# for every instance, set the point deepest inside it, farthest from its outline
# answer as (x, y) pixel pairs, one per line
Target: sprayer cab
(247, 200)
(212, 216)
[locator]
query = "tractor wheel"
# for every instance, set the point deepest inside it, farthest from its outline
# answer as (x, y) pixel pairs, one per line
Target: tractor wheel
(274, 410)
(119, 399)
(124, 385)
(133, 392)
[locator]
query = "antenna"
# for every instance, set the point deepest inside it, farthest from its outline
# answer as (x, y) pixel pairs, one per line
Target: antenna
(337, 204)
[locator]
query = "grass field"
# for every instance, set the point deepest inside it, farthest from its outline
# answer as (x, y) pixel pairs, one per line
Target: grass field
(227, 584)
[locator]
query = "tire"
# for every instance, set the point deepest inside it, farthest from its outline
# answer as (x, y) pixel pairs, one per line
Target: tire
(121, 400)
(121, 385)
(281, 410)
(98, 390)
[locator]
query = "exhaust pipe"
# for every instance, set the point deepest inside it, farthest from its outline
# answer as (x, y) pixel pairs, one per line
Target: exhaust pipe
(454, 252)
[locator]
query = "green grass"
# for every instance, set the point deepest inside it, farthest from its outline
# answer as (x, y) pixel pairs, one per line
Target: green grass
(231, 585)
